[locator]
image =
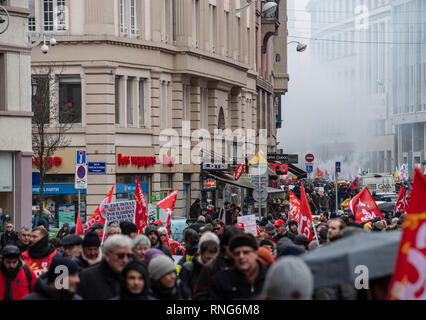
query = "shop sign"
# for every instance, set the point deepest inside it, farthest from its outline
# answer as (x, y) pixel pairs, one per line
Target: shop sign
(130, 187)
(215, 166)
(51, 161)
(282, 166)
(209, 184)
(56, 189)
(139, 161)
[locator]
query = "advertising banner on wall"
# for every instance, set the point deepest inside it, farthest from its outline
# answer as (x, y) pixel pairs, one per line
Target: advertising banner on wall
(66, 215)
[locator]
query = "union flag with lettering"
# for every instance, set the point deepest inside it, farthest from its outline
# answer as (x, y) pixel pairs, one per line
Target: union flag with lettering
(363, 207)
(99, 214)
(168, 204)
(305, 224)
(141, 216)
(294, 213)
(409, 277)
(401, 202)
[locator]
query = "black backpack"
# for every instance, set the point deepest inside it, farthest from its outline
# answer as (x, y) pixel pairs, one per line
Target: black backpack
(29, 276)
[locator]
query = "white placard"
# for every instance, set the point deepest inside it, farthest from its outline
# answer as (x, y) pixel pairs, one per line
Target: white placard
(117, 212)
(249, 224)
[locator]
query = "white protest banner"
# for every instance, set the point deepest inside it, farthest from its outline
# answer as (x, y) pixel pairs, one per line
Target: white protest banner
(249, 224)
(117, 212)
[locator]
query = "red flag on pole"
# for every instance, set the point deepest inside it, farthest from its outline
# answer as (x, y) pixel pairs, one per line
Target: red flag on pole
(305, 215)
(79, 226)
(409, 277)
(363, 207)
(168, 204)
(294, 213)
(99, 214)
(401, 202)
(141, 214)
(354, 185)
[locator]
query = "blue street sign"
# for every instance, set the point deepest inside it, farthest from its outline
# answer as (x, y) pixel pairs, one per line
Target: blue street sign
(80, 157)
(309, 169)
(96, 167)
(337, 166)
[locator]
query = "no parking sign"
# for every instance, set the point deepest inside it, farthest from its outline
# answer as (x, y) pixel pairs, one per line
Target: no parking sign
(81, 176)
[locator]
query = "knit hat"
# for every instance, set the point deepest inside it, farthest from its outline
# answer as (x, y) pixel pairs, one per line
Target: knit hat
(128, 227)
(96, 225)
(289, 279)
(301, 239)
(291, 250)
(58, 260)
(264, 255)
(159, 266)
(91, 239)
(270, 229)
(291, 222)
(10, 250)
(151, 253)
(71, 240)
(283, 243)
(242, 240)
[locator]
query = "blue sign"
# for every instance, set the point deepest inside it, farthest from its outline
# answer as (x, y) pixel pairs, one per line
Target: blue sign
(36, 178)
(55, 189)
(80, 157)
(337, 166)
(96, 167)
(130, 187)
(309, 169)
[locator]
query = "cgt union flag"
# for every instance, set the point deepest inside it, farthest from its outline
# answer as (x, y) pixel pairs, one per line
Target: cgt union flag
(99, 214)
(409, 277)
(305, 223)
(168, 204)
(141, 216)
(294, 213)
(401, 201)
(363, 207)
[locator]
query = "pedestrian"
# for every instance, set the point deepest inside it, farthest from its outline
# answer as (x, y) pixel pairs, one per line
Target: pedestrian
(293, 228)
(72, 245)
(288, 279)
(129, 229)
(135, 282)
(175, 247)
(64, 231)
(151, 253)
(190, 238)
(163, 278)
(335, 226)
(218, 227)
(91, 253)
(112, 230)
(46, 286)
(201, 222)
(24, 238)
(9, 237)
(281, 231)
(237, 213)
(245, 279)
(40, 252)
(152, 233)
(291, 250)
(208, 249)
(16, 279)
(227, 211)
(195, 209)
(206, 215)
(270, 230)
(264, 255)
(141, 244)
(102, 281)
(301, 241)
(223, 261)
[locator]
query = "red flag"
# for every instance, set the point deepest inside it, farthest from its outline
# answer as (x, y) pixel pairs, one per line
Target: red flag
(141, 216)
(409, 277)
(401, 201)
(305, 215)
(79, 226)
(168, 204)
(354, 184)
(294, 213)
(99, 214)
(363, 207)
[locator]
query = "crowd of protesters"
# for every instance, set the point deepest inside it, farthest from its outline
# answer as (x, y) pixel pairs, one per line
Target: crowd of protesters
(217, 259)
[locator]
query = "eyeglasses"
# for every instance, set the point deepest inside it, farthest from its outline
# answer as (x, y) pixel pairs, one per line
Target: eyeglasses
(122, 255)
(215, 229)
(162, 235)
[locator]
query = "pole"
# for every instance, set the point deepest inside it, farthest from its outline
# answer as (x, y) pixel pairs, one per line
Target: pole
(260, 193)
(104, 231)
(315, 232)
(78, 211)
(337, 192)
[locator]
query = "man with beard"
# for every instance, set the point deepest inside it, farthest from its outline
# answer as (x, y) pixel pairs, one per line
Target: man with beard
(16, 278)
(152, 233)
(40, 252)
(90, 254)
(24, 236)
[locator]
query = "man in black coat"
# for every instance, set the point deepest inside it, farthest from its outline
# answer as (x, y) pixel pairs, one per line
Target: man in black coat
(91, 253)
(244, 280)
(152, 233)
(9, 237)
(195, 209)
(102, 281)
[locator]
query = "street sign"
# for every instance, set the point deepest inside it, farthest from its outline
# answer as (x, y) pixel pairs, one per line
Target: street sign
(309, 168)
(80, 157)
(283, 158)
(260, 196)
(97, 167)
(338, 167)
(81, 176)
(262, 204)
(309, 157)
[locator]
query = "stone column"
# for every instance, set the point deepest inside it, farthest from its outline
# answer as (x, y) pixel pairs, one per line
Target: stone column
(23, 190)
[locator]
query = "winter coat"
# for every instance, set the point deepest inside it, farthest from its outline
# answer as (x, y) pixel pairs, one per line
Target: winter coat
(159, 292)
(42, 291)
(20, 285)
(232, 285)
(99, 282)
(62, 233)
(189, 254)
(82, 262)
(39, 256)
(194, 211)
(188, 277)
(159, 245)
(8, 238)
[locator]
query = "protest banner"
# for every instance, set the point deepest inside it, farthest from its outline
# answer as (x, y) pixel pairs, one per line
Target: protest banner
(117, 212)
(249, 223)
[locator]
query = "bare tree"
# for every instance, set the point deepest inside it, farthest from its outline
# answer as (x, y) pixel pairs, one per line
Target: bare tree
(50, 122)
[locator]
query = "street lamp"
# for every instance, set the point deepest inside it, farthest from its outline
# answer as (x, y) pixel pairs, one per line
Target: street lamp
(268, 7)
(41, 36)
(300, 46)
(3, 21)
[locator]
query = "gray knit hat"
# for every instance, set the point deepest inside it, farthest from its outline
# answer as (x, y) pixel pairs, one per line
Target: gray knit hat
(159, 266)
(289, 279)
(270, 229)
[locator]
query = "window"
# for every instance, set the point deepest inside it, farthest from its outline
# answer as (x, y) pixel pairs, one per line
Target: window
(238, 38)
(54, 15)
(129, 102)
(69, 100)
(41, 100)
(212, 11)
(123, 29)
(117, 100)
(2, 82)
(133, 18)
(195, 22)
(141, 103)
(165, 184)
(226, 33)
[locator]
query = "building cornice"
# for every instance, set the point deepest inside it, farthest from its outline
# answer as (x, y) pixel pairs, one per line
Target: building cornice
(16, 114)
(18, 11)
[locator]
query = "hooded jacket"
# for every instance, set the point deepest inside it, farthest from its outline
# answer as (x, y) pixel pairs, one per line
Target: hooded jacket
(160, 292)
(62, 233)
(42, 291)
(125, 294)
(159, 245)
(39, 256)
(188, 277)
(15, 286)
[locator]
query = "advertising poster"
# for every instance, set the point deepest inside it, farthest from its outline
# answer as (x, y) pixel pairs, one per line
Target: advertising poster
(66, 215)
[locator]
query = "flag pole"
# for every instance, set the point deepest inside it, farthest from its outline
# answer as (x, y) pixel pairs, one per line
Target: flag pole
(104, 231)
(316, 236)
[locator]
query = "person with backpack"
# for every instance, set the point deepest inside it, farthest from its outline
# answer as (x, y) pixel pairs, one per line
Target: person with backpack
(16, 279)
